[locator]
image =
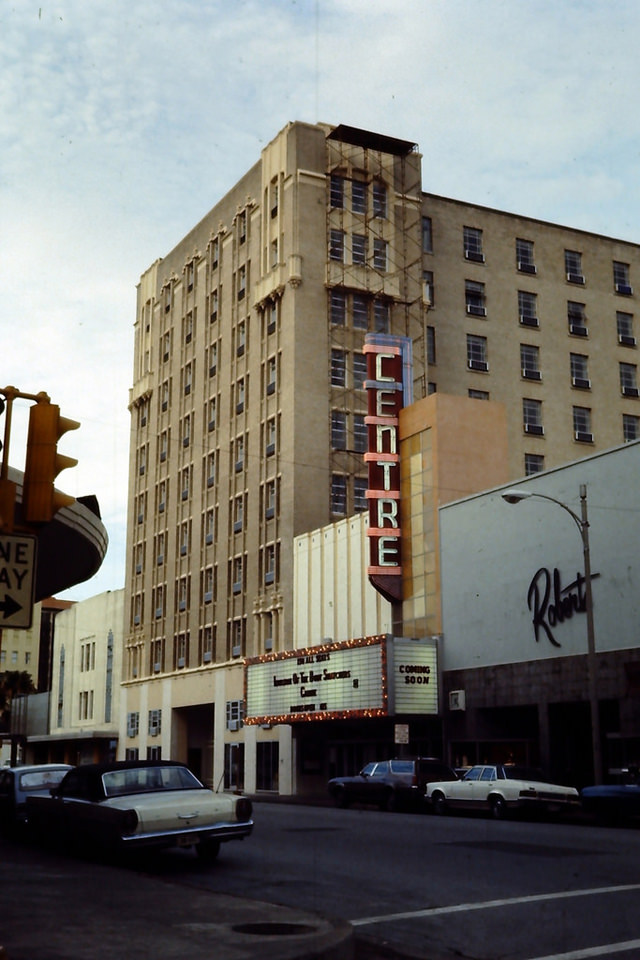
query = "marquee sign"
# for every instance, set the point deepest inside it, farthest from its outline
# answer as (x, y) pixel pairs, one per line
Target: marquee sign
(388, 388)
(370, 677)
(329, 682)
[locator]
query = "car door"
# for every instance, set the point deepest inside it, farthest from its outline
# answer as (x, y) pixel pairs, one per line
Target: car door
(483, 786)
(461, 793)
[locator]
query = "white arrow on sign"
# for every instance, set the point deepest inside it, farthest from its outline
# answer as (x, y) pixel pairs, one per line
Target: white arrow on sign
(17, 579)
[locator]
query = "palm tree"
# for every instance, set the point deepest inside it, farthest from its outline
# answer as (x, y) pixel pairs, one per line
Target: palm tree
(13, 683)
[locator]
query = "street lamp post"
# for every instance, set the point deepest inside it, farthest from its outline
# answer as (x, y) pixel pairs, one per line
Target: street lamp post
(582, 523)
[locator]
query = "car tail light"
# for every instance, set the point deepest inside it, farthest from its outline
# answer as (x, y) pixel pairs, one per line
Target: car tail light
(130, 821)
(244, 808)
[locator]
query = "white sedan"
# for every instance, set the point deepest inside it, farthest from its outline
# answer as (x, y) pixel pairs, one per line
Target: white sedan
(499, 788)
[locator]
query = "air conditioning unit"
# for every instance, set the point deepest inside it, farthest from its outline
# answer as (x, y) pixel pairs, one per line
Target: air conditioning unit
(478, 365)
(575, 278)
(156, 668)
(535, 428)
(180, 663)
(581, 382)
(630, 392)
(527, 267)
(528, 321)
(457, 700)
(578, 330)
(531, 374)
(627, 340)
(236, 651)
(206, 656)
(584, 437)
(268, 643)
(624, 288)
(233, 725)
(474, 255)
(476, 311)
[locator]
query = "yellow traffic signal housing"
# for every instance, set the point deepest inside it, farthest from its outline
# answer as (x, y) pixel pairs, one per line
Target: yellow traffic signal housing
(43, 463)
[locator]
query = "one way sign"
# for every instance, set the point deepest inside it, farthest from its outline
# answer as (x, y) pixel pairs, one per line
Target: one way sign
(17, 580)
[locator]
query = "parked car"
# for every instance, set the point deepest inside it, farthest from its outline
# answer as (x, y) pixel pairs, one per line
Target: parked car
(614, 801)
(500, 788)
(18, 783)
(131, 804)
(390, 784)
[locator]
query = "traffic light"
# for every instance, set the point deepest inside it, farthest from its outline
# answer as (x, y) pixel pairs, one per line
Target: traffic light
(43, 463)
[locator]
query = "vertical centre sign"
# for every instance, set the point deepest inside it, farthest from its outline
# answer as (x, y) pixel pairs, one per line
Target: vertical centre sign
(388, 388)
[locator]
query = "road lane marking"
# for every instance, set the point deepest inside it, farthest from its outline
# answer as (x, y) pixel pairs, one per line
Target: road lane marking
(607, 950)
(491, 904)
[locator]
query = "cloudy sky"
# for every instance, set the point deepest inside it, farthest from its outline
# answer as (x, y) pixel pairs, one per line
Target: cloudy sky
(122, 122)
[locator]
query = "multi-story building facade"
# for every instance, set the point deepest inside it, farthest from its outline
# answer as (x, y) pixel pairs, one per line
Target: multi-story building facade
(248, 401)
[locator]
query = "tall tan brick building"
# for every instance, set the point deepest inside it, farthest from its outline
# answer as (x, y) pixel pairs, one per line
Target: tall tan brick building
(248, 399)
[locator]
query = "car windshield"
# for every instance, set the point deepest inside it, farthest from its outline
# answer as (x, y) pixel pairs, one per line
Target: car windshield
(41, 779)
(147, 780)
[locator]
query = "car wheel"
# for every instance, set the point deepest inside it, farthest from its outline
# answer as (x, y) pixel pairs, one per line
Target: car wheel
(498, 808)
(340, 798)
(208, 850)
(438, 803)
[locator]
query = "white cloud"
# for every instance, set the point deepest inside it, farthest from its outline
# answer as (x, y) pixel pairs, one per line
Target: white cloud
(122, 123)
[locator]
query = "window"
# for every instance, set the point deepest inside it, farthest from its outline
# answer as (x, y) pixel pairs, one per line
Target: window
(379, 254)
(215, 252)
(207, 585)
(360, 312)
(532, 416)
(274, 253)
(528, 308)
(359, 370)
(162, 496)
(338, 308)
(186, 430)
(427, 235)
(358, 248)
(473, 244)
(630, 427)
(629, 379)
(236, 637)
(237, 567)
(431, 344)
(475, 298)
(477, 394)
(242, 282)
(183, 594)
(209, 526)
(211, 469)
(624, 324)
(213, 359)
(272, 370)
(270, 437)
(336, 191)
(428, 289)
(133, 724)
(533, 463)
(379, 199)
(360, 487)
(242, 226)
(160, 549)
(188, 327)
(338, 430)
(165, 395)
(270, 499)
(336, 245)
(274, 198)
(524, 256)
(338, 368)
(579, 371)
(240, 395)
(530, 361)
(211, 413)
(164, 445)
(381, 316)
(338, 494)
(621, 278)
(184, 537)
(207, 640)
(234, 714)
(155, 723)
(582, 424)
(239, 454)
(270, 563)
(358, 196)
(477, 352)
(359, 433)
(577, 319)
(573, 266)
(241, 338)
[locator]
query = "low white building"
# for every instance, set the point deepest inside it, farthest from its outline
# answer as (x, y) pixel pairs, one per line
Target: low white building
(85, 687)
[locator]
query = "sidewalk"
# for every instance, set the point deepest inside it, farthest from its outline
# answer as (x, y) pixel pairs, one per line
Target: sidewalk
(58, 908)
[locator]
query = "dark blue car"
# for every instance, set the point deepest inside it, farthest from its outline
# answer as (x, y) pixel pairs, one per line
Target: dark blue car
(614, 801)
